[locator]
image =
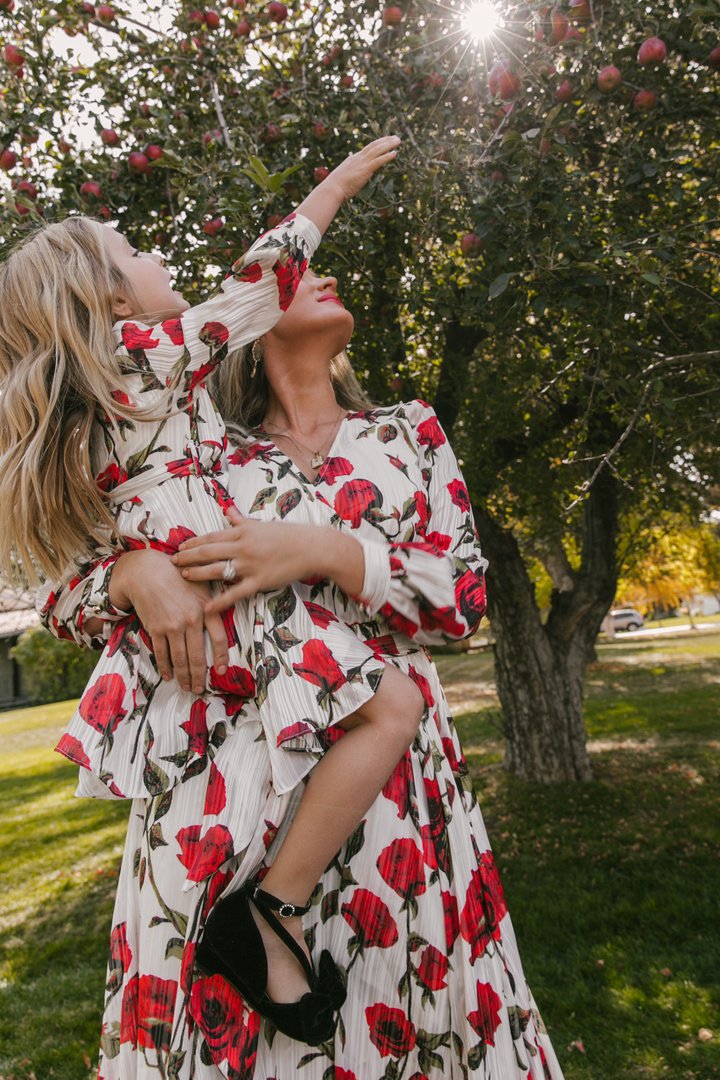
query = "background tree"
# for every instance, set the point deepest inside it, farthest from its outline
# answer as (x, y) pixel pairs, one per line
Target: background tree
(540, 262)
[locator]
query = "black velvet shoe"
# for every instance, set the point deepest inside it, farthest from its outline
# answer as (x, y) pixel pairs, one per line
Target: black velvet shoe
(232, 946)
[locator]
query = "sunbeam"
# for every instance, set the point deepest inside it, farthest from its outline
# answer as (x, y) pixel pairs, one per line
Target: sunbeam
(480, 20)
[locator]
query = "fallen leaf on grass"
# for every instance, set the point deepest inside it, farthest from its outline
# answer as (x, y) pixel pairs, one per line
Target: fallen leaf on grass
(705, 1034)
(576, 1044)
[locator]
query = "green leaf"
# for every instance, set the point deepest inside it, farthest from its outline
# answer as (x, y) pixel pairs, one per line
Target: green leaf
(499, 285)
(652, 278)
(263, 497)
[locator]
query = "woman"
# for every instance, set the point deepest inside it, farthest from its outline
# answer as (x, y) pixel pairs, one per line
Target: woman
(411, 908)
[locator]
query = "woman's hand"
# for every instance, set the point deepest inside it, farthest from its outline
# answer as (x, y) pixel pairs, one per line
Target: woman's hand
(172, 611)
(269, 555)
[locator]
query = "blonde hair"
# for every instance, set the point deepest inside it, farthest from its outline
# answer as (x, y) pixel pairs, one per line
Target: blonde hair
(58, 370)
(242, 395)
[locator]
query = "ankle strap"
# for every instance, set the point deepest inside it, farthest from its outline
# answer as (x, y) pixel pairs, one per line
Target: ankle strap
(284, 909)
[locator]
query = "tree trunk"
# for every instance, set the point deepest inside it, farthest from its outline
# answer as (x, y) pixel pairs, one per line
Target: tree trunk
(540, 669)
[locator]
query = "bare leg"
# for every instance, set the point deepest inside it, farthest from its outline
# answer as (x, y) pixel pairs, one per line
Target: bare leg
(341, 788)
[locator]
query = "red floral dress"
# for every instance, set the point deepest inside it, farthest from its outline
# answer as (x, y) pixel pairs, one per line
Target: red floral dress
(412, 908)
(166, 480)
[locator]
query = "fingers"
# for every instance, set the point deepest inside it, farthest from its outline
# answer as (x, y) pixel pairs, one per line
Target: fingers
(179, 657)
(162, 656)
(205, 571)
(207, 538)
(234, 516)
(245, 588)
(218, 637)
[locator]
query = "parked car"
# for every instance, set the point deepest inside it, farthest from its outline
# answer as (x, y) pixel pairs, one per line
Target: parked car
(626, 618)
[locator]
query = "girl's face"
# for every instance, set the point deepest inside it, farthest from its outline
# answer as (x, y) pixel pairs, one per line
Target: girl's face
(315, 311)
(151, 282)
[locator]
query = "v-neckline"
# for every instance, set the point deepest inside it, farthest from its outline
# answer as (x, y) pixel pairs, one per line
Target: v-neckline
(310, 481)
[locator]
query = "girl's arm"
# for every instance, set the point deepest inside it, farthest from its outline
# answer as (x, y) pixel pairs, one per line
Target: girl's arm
(182, 351)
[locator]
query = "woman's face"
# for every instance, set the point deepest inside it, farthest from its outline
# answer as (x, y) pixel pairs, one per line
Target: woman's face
(151, 282)
(315, 313)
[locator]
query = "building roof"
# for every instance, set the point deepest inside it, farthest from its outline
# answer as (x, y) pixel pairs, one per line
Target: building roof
(17, 611)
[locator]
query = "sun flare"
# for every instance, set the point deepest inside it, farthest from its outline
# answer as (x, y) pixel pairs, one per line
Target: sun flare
(480, 20)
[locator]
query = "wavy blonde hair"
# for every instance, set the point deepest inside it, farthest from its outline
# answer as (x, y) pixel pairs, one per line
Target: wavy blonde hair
(58, 370)
(242, 397)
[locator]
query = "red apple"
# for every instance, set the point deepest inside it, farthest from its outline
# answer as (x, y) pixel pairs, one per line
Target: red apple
(277, 12)
(12, 56)
(271, 134)
(27, 188)
(320, 130)
(212, 19)
(213, 136)
(91, 190)
(502, 81)
(609, 78)
(242, 29)
(154, 152)
(9, 5)
(104, 211)
(8, 160)
(471, 245)
(644, 100)
(213, 226)
(713, 58)
(396, 384)
(196, 17)
(392, 15)
(573, 34)
(320, 173)
(138, 162)
(21, 210)
(559, 28)
(109, 136)
(497, 177)
(564, 91)
(580, 10)
(106, 13)
(539, 34)
(652, 51)
(29, 136)
(274, 219)
(64, 146)
(88, 9)
(239, 5)
(144, 110)
(347, 81)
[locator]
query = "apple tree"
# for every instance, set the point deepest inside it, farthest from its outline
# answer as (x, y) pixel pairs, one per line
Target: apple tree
(540, 261)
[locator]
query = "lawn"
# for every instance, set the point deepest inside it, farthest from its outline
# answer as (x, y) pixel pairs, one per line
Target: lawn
(612, 885)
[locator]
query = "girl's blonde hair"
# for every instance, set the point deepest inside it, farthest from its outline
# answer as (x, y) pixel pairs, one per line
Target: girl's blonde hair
(241, 389)
(58, 370)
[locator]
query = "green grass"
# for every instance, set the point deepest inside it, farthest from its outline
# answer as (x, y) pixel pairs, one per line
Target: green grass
(612, 885)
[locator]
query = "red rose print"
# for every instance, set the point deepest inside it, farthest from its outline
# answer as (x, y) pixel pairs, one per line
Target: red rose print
(382, 646)
(355, 498)
(196, 727)
(294, 731)
(401, 866)
(187, 967)
(288, 278)
(110, 477)
(175, 538)
(486, 1017)
(399, 785)
(484, 907)
(432, 968)
(62, 631)
(180, 467)
(459, 495)
(101, 704)
(135, 338)
(202, 857)
(390, 1030)
(438, 540)
(228, 619)
(452, 919)
(214, 333)
(443, 619)
(430, 433)
(174, 330)
(470, 597)
(129, 1012)
(155, 1009)
(218, 1009)
(422, 510)
(423, 686)
(236, 686)
(196, 378)
(245, 454)
(320, 667)
(72, 748)
(320, 615)
(122, 398)
(397, 622)
(340, 1074)
(120, 952)
(452, 758)
(242, 1050)
(290, 217)
(334, 467)
(215, 797)
(370, 919)
(251, 273)
(218, 883)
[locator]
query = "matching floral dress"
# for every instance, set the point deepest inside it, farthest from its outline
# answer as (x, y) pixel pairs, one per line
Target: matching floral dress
(412, 908)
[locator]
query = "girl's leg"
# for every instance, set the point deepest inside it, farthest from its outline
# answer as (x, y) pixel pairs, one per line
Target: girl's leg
(340, 790)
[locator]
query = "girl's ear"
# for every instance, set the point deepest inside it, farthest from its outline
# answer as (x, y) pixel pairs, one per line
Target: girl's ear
(121, 307)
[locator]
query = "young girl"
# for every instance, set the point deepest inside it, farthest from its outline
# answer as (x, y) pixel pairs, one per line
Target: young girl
(106, 414)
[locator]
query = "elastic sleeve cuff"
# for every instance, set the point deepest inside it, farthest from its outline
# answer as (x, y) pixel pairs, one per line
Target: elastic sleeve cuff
(310, 231)
(376, 582)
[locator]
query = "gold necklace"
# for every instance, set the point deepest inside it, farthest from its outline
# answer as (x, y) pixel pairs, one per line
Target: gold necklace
(317, 457)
